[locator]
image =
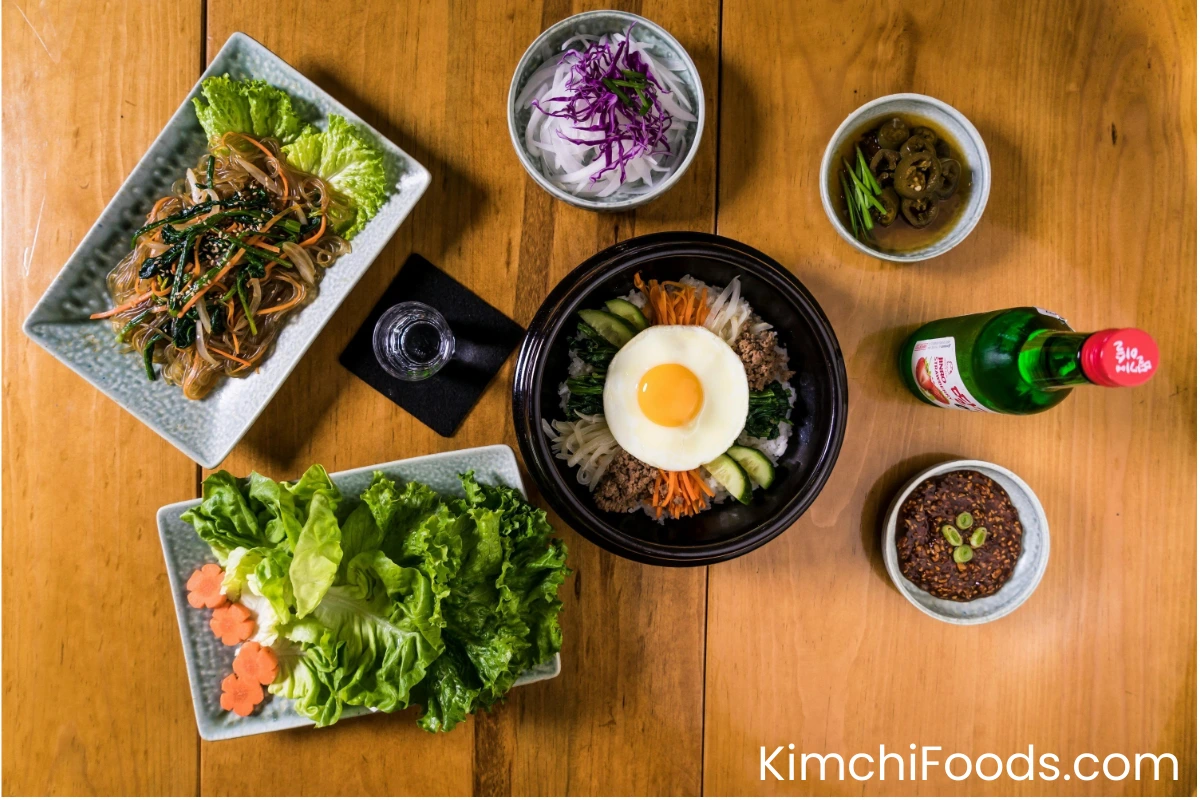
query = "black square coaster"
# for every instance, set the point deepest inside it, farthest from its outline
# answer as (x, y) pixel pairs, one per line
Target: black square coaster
(483, 339)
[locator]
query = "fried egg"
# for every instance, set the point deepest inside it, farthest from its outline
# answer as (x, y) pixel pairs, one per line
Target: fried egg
(676, 396)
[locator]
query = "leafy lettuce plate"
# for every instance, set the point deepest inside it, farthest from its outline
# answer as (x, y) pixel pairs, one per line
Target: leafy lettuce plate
(206, 430)
(208, 661)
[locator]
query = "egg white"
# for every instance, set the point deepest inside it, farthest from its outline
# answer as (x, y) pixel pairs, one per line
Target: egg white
(720, 419)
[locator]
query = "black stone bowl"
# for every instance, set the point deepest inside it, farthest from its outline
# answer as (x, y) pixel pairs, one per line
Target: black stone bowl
(730, 529)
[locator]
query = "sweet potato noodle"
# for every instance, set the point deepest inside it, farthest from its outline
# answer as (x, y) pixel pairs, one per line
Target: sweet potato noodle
(240, 243)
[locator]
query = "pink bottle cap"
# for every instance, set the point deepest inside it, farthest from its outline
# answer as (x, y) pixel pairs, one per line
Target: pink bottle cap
(1119, 357)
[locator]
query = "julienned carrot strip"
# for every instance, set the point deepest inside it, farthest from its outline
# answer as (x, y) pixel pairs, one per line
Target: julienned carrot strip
(701, 483)
(196, 253)
(316, 236)
(216, 279)
(281, 307)
(230, 357)
(141, 298)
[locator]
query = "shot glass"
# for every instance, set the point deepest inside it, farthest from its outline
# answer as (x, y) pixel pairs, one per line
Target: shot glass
(412, 341)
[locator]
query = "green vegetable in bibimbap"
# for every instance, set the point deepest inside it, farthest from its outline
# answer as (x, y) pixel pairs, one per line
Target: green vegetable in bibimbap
(399, 596)
(678, 398)
(242, 239)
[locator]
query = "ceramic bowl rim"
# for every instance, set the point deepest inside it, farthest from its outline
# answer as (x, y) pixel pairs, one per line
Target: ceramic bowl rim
(909, 590)
(603, 204)
(965, 224)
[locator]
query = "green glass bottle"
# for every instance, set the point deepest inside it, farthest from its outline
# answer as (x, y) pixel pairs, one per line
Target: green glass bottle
(1019, 360)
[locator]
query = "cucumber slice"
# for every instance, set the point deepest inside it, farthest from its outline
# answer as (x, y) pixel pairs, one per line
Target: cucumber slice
(757, 465)
(616, 330)
(628, 312)
(730, 475)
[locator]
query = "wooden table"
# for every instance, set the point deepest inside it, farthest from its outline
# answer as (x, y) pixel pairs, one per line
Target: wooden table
(672, 679)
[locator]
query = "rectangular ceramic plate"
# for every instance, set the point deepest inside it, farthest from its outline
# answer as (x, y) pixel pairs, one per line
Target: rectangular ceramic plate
(209, 661)
(206, 430)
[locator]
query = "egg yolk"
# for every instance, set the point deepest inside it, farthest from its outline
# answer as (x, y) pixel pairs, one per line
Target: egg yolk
(670, 395)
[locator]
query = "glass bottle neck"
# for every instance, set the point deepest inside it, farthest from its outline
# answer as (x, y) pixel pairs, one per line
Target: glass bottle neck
(1051, 360)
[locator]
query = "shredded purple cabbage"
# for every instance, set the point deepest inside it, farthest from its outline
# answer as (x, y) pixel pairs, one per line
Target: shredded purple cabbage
(615, 88)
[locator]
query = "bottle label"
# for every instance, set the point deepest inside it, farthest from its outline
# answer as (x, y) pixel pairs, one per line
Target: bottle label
(935, 369)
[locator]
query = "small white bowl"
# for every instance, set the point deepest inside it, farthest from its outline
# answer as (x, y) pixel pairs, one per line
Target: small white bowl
(549, 45)
(1035, 551)
(968, 142)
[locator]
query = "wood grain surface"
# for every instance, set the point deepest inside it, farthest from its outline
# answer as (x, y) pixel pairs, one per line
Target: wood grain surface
(96, 698)
(672, 679)
(1082, 106)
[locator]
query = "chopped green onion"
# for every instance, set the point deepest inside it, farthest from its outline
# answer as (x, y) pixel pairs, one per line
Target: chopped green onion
(868, 177)
(850, 206)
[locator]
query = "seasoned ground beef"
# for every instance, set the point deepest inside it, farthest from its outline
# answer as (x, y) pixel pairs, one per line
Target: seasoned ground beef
(762, 361)
(625, 484)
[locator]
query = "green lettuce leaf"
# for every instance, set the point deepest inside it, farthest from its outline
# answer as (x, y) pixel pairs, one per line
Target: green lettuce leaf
(224, 518)
(251, 106)
(315, 481)
(310, 671)
(318, 554)
(502, 609)
(282, 517)
(445, 693)
(377, 633)
(359, 534)
(401, 596)
(261, 573)
(345, 156)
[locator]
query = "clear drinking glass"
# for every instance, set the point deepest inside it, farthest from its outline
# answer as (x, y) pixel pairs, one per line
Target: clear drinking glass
(412, 341)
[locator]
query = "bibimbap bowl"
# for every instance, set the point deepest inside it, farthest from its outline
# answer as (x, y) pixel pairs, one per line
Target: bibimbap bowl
(726, 529)
(684, 94)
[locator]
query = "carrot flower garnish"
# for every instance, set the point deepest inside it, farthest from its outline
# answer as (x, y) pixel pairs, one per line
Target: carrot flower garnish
(240, 695)
(232, 624)
(204, 587)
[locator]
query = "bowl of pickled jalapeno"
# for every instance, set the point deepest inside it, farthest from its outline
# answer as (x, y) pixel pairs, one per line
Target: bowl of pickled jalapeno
(905, 178)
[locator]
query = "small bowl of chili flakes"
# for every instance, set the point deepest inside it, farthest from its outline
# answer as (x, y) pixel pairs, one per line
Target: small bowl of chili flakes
(967, 542)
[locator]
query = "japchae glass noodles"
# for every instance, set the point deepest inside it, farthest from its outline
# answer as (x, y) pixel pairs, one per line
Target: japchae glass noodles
(242, 239)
